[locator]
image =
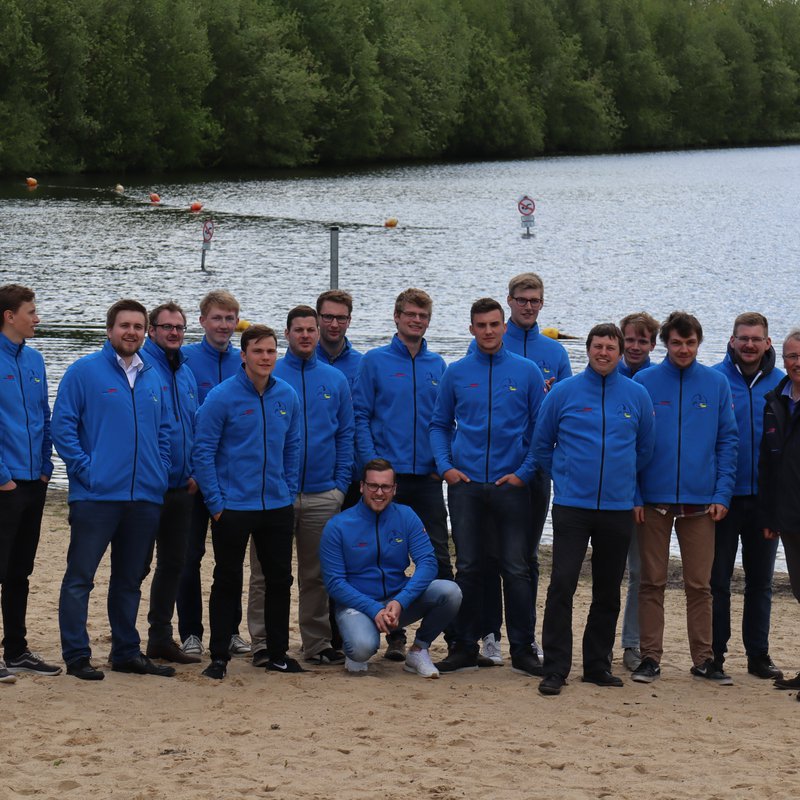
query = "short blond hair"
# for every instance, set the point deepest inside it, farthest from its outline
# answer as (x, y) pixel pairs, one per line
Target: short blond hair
(525, 281)
(221, 298)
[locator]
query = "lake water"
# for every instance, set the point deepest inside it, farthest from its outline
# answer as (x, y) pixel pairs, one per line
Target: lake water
(712, 232)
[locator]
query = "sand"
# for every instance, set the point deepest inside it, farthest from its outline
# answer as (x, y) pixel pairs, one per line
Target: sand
(390, 734)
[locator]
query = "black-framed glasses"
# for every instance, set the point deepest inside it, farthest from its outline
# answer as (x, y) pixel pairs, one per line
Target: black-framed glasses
(379, 487)
(752, 339)
(167, 328)
(340, 318)
(533, 302)
(791, 356)
(423, 316)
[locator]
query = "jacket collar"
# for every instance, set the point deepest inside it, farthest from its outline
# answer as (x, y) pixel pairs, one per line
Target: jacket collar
(12, 348)
(399, 346)
(495, 358)
(297, 363)
(245, 381)
(598, 379)
(520, 334)
(156, 354)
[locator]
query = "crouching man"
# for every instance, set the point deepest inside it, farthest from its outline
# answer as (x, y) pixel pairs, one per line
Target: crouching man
(364, 554)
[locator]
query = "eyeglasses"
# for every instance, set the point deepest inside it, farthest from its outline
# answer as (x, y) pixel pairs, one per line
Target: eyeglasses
(379, 487)
(752, 339)
(167, 328)
(340, 318)
(535, 302)
(791, 356)
(423, 316)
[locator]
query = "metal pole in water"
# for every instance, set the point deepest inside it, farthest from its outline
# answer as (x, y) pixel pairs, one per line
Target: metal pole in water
(334, 257)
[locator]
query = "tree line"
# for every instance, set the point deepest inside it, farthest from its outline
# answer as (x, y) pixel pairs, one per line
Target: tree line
(169, 84)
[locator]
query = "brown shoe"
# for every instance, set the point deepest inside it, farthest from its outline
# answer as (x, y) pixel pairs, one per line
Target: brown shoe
(169, 651)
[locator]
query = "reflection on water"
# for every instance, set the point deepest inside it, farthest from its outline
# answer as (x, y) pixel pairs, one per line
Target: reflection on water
(713, 232)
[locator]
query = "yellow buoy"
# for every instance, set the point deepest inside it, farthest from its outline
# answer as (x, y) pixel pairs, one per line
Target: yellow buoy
(390, 223)
(555, 333)
(243, 325)
(32, 182)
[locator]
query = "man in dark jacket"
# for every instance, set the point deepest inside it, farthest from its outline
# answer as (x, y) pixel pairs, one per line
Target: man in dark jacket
(779, 470)
(749, 367)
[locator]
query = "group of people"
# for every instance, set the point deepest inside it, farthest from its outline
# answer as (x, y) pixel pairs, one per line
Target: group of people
(345, 455)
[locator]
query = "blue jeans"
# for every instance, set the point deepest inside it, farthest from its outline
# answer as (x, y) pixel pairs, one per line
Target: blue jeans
(130, 528)
(436, 607)
(630, 619)
(758, 560)
(492, 592)
(487, 518)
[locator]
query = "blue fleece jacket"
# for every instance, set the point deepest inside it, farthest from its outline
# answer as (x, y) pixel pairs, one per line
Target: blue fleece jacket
(247, 445)
(485, 414)
(548, 354)
(748, 405)
(25, 445)
(625, 370)
(364, 557)
(394, 397)
(696, 436)
(327, 428)
(593, 435)
(347, 361)
(113, 439)
(180, 396)
(209, 366)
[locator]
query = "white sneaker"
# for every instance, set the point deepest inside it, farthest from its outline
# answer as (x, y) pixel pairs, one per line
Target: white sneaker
(490, 648)
(193, 646)
(238, 646)
(537, 648)
(5, 675)
(419, 662)
(355, 666)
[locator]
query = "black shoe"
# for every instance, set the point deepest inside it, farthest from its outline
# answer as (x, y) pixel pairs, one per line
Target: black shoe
(142, 665)
(458, 660)
(646, 672)
(395, 650)
(31, 662)
(788, 683)
(83, 669)
(485, 661)
(602, 678)
(217, 669)
(763, 667)
(551, 684)
(284, 664)
(326, 657)
(711, 671)
(260, 658)
(526, 662)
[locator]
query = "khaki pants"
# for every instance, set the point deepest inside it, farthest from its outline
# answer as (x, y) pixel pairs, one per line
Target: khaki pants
(311, 512)
(696, 540)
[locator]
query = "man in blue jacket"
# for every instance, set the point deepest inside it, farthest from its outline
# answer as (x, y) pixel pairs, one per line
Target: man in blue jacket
(111, 428)
(689, 483)
(211, 360)
(25, 469)
(525, 300)
(480, 435)
(246, 460)
(326, 462)
(162, 349)
(365, 552)
(639, 331)
(750, 369)
(594, 433)
(394, 395)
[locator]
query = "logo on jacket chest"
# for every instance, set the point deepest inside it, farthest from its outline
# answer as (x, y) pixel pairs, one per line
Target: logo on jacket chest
(279, 409)
(624, 411)
(700, 401)
(324, 393)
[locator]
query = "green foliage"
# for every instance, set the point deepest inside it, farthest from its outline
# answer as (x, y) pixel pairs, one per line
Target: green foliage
(112, 85)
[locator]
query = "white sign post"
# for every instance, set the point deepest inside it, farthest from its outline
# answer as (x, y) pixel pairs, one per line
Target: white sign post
(526, 207)
(208, 233)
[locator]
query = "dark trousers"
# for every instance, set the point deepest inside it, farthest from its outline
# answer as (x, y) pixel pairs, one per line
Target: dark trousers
(492, 594)
(170, 541)
(189, 601)
(20, 524)
(272, 537)
(472, 505)
(129, 528)
(610, 534)
(758, 561)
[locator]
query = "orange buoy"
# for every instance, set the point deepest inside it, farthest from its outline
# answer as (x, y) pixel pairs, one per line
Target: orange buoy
(32, 182)
(154, 198)
(390, 223)
(195, 206)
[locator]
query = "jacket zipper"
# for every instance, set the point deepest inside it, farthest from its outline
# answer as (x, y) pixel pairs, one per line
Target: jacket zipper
(25, 407)
(378, 544)
(305, 426)
(680, 431)
(603, 440)
(135, 438)
(264, 463)
(414, 438)
(489, 426)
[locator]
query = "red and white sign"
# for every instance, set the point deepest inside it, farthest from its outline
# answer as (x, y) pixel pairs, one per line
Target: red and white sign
(526, 205)
(208, 230)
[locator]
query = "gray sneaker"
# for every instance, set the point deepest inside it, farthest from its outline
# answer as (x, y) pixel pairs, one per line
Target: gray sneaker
(31, 662)
(238, 648)
(631, 658)
(193, 646)
(5, 675)
(646, 672)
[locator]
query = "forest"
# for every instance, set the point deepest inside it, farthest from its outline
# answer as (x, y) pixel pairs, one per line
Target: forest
(99, 85)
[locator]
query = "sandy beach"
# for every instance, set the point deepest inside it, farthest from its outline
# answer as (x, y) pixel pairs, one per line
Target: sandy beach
(390, 734)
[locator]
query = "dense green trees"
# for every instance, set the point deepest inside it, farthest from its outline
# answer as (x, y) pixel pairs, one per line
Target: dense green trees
(114, 85)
